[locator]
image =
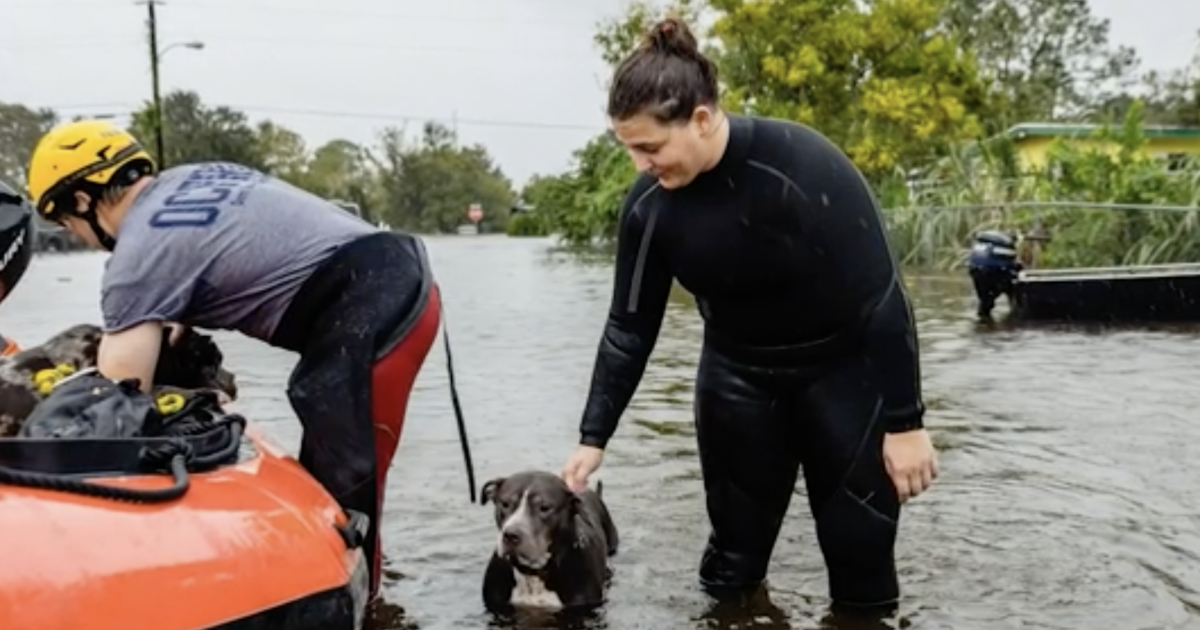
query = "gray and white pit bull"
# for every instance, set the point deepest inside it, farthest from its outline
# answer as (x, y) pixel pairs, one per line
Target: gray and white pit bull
(553, 545)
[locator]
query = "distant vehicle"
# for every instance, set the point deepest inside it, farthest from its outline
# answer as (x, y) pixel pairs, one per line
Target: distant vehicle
(52, 237)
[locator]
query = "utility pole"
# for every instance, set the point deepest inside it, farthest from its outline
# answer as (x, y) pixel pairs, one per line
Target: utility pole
(152, 24)
(156, 55)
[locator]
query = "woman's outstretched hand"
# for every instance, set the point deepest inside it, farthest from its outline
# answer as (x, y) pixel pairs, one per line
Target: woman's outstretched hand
(582, 463)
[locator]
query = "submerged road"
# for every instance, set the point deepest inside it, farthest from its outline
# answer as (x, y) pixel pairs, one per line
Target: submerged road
(1068, 497)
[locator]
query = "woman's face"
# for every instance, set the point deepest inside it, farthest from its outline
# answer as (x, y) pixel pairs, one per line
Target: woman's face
(675, 153)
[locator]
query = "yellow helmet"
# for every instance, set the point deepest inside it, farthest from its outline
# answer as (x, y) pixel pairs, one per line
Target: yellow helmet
(87, 156)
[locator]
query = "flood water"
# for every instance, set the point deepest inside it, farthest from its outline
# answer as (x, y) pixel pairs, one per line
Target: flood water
(1068, 497)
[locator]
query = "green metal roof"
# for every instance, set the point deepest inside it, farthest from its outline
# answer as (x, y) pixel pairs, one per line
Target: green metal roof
(1061, 130)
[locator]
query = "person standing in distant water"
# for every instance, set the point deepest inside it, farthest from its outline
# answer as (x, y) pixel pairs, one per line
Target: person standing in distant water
(810, 350)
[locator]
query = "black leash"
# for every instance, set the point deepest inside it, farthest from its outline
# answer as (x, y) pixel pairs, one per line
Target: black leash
(458, 414)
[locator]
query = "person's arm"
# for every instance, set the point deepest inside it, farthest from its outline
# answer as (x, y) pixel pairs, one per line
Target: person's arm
(136, 308)
(847, 218)
(871, 275)
(892, 341)
(131, 353)
(891, 334)
(639, 299)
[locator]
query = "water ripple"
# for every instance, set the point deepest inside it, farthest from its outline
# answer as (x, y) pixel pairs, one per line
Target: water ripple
(1067, 498)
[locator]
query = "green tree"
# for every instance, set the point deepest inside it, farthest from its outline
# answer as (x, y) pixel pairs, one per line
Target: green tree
(340, 169)
(194, 132)
(1043, 59)
(20, 128)
(388, 161)
(882, 79)
(430, 185)
(582, 205)
(1172, 98)
(618, 36)
(282, 151)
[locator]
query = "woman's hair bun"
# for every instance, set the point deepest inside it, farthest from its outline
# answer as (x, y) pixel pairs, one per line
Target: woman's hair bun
(671, 36)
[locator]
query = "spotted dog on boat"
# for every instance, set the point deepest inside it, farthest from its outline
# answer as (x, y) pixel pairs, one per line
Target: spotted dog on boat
(553, 545)
(194, 362)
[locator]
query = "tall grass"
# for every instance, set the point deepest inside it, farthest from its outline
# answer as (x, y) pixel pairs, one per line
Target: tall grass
(983, 187)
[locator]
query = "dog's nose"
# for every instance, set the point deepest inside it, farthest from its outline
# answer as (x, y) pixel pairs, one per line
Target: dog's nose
(512, 538)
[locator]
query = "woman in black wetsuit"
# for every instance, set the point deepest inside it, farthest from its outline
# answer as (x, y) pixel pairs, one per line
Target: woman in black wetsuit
(810, 352)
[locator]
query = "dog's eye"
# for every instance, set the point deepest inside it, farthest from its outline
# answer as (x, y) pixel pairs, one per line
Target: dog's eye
(545, 508)
(505, 505)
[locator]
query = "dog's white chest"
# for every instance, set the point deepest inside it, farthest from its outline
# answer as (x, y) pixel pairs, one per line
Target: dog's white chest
(531, 592)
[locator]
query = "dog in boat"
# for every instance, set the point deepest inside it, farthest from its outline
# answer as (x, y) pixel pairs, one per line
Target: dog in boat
(194, 362)
(553, 545)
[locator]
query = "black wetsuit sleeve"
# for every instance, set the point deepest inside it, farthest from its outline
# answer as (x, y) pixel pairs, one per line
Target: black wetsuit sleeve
(639, 299)
(862, 264)
(892, 343)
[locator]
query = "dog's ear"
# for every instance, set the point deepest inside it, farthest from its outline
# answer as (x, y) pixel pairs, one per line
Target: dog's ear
(488, 492)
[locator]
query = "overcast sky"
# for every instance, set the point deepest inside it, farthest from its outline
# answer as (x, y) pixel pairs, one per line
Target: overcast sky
(520, 76)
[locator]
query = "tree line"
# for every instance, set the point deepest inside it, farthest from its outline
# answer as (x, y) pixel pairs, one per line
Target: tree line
(424, 185)
(915, 91)
(922, 91)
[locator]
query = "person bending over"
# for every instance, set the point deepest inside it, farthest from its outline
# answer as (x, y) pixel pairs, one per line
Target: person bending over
(223, 246)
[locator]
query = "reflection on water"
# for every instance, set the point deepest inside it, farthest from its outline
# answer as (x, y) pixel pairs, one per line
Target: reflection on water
(1067, 499)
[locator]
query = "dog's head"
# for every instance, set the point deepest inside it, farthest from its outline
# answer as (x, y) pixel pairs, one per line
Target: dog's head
(535, 512)
(78, 346)
(193, 362)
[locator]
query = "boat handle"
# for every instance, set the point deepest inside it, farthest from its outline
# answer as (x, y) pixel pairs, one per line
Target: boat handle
(354, 531)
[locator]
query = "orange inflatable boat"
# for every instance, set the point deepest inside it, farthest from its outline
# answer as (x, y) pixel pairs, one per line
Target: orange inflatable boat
(89, 541)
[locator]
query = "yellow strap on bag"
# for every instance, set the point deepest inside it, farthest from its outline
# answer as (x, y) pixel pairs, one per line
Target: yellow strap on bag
(169, 403)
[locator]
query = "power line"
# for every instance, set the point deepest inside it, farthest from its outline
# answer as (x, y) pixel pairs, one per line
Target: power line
(379, 116)
(407, 17)
(231, 42)
(85, 106)
(476, 122)
(241, 7)
(497, 19)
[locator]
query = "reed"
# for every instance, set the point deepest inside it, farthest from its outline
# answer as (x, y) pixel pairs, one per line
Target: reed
(1104, 203)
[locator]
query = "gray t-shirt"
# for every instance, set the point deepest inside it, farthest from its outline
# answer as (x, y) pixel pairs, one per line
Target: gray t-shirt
(219, 246)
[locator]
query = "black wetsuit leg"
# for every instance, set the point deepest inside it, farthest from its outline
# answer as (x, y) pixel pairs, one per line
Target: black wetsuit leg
(345, 322)
(850, 493)
(758, 419)
(748, 440)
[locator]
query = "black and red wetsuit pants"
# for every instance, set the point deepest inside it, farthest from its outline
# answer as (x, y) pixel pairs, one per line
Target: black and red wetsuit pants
(363, 324)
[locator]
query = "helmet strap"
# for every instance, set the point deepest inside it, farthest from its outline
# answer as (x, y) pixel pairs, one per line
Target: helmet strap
(104, 238)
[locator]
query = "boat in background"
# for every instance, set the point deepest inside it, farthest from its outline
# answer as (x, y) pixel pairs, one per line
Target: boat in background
(1000, 263)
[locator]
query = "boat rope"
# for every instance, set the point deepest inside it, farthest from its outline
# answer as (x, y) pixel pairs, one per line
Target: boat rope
(175, 456)
(177, 466)
(458, 413)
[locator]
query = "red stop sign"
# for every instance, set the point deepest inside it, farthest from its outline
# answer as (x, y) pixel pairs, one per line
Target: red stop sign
(475, 213)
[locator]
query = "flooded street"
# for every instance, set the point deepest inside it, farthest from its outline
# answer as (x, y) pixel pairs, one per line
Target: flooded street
(1068, 497)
